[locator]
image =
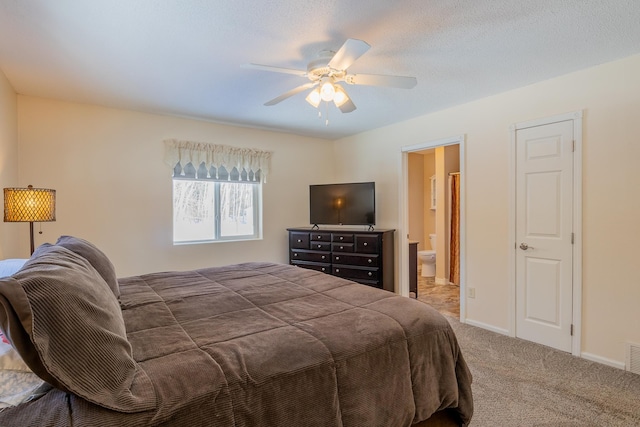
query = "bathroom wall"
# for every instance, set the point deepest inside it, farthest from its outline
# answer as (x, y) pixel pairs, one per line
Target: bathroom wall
(422, 219)
(429, 215)
(442, 213)
(418, 193)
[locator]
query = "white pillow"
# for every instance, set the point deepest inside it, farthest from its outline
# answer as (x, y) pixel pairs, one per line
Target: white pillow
(18, 387)
(17, 383)
(9, 358)
(10, 266)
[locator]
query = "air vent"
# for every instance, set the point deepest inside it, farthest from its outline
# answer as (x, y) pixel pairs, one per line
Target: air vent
(633, 358)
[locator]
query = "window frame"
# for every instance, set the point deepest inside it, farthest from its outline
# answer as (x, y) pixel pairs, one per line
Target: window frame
(218, 238)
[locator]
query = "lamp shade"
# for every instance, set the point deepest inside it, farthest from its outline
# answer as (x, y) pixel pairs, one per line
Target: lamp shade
(29, 204)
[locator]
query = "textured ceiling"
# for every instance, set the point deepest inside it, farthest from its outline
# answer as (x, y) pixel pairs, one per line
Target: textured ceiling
(185, 57)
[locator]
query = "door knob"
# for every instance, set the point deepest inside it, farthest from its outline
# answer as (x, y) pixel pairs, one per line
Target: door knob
(524, 246)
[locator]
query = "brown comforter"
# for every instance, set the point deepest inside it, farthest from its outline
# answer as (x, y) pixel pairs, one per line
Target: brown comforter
(261, 344)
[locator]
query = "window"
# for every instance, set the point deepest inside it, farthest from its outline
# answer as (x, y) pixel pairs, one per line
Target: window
(217, 191)
(205, 210)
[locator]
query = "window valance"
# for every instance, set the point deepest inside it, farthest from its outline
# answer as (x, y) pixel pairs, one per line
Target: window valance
(217, 156)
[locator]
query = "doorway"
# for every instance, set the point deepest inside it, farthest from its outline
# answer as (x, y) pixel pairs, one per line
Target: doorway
(415, 219)
(546, 212)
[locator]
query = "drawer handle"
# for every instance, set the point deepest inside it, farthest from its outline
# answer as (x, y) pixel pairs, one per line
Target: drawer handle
(322, 256)
(319, 246)
(299, 241)
(341, 237)
(322, 268)
(370, 274)
(319, 237)
(365, 243)
(369, 260)
(337, 258)
(337, 270)
(295, 255)
(341, 247)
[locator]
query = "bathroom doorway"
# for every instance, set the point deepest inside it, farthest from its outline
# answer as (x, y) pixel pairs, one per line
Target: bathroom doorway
(433, 173)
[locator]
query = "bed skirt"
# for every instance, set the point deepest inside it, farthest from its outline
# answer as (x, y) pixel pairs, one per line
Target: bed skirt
(444, 418)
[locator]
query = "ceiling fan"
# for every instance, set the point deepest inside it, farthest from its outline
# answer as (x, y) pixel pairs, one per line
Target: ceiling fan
(329, 70)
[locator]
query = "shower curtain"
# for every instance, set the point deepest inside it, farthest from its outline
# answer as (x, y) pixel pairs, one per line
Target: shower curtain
(454, 244)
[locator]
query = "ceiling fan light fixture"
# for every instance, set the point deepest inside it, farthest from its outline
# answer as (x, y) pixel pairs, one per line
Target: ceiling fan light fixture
(314, 97)
(327, 91)
(340, 97)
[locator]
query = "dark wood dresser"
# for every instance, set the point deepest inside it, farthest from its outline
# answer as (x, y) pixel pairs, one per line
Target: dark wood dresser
(362, 256)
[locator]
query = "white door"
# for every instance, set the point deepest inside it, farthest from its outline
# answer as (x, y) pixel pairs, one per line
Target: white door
(544, 234)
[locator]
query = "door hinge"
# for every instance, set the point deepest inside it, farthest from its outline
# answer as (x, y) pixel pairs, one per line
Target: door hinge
(572, 238)
(573, 146)
(571, 329)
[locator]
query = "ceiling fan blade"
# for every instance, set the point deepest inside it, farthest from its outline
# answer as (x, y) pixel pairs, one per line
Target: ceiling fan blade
(401, 82)
(348, 106)
(292, 92)
(351, 50)
(301, 73)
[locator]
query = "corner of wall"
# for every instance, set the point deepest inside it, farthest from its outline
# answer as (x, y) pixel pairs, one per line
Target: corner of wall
(8, 156)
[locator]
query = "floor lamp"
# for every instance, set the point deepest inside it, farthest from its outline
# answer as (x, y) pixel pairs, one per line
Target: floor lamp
(29, 205)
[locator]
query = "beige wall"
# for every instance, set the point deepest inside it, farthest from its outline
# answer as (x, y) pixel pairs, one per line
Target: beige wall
(429, 214)
(114, 189)
(8, 163)
(609, 95)
(418, 193)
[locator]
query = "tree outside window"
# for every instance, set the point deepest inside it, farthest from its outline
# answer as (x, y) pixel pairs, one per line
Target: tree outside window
(213, 210)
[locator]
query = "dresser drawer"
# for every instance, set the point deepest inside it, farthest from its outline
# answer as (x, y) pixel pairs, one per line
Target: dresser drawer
(320, 236)
(324, 268)
(366, 244)
(342, 238)
(354, 273)
(342, 247)
(320, 246)
(314, 256)
(356, 259)
(298, 240)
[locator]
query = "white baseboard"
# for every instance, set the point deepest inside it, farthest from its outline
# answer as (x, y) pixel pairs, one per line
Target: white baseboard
(441, 281)
(487, 327)
(603, 360)
(587, 356)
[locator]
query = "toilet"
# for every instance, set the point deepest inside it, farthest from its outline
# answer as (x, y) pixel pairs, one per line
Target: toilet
(428, 258)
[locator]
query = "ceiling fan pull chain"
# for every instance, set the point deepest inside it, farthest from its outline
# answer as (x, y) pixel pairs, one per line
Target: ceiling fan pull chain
(326, 114)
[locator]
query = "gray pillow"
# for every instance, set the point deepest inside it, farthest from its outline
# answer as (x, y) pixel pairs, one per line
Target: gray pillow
(67, 325)
(96, 258)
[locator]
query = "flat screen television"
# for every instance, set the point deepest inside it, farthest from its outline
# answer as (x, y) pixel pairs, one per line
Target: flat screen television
(343, 204)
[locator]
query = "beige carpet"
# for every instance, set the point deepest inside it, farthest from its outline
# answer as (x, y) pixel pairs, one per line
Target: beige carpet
(518, 383)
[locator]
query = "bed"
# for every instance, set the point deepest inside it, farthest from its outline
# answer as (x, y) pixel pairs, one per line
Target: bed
(252, 344)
